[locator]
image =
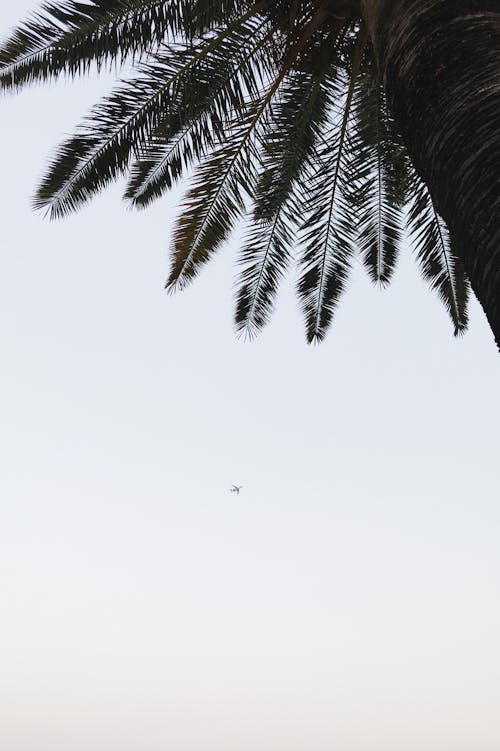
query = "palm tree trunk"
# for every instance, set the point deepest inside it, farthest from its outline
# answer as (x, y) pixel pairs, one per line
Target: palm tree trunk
(439, 61)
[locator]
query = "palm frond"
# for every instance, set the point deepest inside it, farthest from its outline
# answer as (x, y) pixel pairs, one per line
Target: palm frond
(117, 127)
(164, 159)
(265, 258)
(216, 198)
(66, 37)
(439, 265)
(293, 127)
(379, 169)
(327, 236)
(209, 98)
(327, 231)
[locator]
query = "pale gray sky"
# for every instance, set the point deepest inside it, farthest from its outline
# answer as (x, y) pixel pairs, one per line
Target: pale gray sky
(347, 599)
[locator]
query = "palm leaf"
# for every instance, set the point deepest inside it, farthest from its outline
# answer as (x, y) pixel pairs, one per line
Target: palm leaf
(293, 128)
(165, 158)
(264, 259)
(66, 37)
(379, 168)
(327, 229)
(439, 265)
(209, 99)
(327, 236)
(216, 198)
(101, 149)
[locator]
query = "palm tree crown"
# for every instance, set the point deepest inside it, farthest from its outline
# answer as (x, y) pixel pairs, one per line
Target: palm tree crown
(274, 109)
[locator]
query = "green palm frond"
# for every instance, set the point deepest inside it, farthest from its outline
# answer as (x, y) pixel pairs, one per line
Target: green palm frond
(327, 236)
(439, 265)
(209, 99)
(328, 229)
(165, 158)
(294, 125)
(293, 129)
(116, 128)
(265, 258)
(379, 165)
(66, 37)
(216, 198)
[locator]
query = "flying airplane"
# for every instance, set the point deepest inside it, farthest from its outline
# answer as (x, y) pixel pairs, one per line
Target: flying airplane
(235, 489)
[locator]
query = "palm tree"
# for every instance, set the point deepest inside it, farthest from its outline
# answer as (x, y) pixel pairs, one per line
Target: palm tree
(330, 124)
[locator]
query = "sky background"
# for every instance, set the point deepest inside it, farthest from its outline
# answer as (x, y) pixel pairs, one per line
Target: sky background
(348, 599)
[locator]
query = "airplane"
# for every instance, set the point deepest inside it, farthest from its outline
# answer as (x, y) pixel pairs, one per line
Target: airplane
(235, 489)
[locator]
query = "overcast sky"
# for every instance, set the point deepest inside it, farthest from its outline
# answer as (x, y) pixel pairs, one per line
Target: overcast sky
(348, 599)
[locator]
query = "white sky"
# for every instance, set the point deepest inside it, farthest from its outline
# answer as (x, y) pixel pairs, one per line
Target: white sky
(347, 600)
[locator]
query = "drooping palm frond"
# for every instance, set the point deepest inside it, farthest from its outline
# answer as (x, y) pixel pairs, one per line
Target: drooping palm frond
(265, 258)
(379, 163)
(210, 97)
(124, 120)
(66, 37)
(326, 234)
(166, 157)
(293, 130)
(439, 265)
(327, 231)
(216, 199)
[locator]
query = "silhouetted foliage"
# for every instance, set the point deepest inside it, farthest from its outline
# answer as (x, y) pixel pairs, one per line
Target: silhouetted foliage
(275, 109)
